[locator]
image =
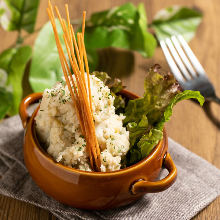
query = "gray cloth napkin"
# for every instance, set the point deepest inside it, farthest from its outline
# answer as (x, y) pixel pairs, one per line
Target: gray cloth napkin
(197, 185)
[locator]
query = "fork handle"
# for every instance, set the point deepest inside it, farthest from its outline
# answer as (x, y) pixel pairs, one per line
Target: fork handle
(208, 110)
(214, 99)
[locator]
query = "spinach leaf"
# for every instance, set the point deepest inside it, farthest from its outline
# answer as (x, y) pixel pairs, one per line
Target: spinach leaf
(15, 75)
(45, 68)
(145, 117)
(122, 27)
(19, 14)
(176, 20)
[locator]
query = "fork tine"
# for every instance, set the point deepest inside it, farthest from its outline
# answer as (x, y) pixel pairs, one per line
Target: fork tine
(183, 56)
(198, 67)
(170, 61)
(177, 59)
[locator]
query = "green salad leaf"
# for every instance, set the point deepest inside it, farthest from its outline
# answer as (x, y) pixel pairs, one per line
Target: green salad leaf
(176, 20)
(160, 88)
(45, 68)
(12, 65)
(6, 57)
(103, 76)
(142, 41)
(2, 11)
(187, 94)
(6, 101)
(124, 27)
(19, 14)
(145, 117)
(15, 75)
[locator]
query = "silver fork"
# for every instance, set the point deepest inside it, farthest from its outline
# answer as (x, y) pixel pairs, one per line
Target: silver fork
(186, 67)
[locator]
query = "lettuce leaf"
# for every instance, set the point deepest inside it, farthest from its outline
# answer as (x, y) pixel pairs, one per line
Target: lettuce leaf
(18, 14)
(176, 20)
(6, 101)
(160, 88)
(124, 26)
(145, 117)
(13, 62)
(45, 68)
(187, 94)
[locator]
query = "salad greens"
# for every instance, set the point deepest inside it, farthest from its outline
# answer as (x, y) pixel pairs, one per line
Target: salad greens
(12, 65)
(19, 14)
(176, 20)
(146, 116)
(46, 69)
(125, 26)
(15, 15)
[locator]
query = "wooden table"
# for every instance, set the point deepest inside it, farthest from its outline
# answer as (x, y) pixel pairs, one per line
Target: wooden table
(189, 124)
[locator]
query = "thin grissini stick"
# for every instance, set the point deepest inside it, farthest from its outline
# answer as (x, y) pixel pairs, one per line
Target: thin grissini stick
(90, 119)
(83, 23)
(96, 152)
(63, 25)
(60, 54)
(62, 60)
(68, 17)
(84, 124)
(81, 65)
(72, 34)
(75, 43)
(81, 109)
(70, 44)
(84, 105)
(87, 71)
(74, 86)
(80, 86)
(69, 86)
(85, 59)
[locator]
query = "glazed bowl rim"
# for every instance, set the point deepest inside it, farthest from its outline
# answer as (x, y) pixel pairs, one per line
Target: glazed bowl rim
(46, 156)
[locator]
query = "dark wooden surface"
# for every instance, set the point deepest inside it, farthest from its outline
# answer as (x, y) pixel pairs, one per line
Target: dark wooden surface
(189, 124)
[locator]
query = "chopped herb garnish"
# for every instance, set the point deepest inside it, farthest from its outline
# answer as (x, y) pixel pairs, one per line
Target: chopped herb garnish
(63, 92)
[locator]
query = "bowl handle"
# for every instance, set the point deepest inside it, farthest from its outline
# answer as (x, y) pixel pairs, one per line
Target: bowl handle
(158, 186)
(24, 105)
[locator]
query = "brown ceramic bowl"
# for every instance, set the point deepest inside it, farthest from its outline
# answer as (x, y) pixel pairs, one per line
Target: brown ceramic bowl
(93, 190)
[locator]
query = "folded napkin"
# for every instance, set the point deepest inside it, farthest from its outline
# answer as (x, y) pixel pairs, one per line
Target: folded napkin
(197, 185)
